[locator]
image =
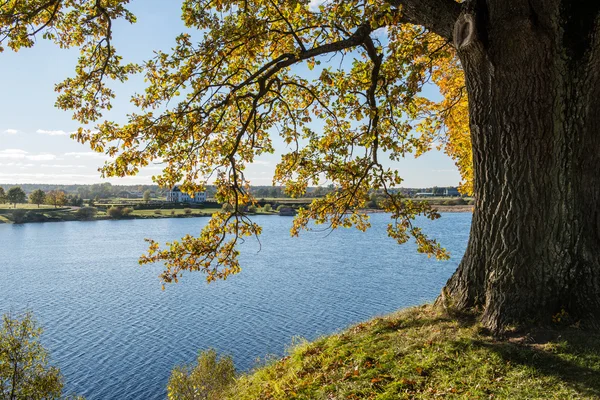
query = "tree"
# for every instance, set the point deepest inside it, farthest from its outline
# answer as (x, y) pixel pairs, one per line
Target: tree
(16, 195)
(38, 196)
(24, 369)
(529, 149)
(2, 195)
(86, 212)
(209, 379)
(73, 200)
(147, 195)
(119, 212)
(56, 198)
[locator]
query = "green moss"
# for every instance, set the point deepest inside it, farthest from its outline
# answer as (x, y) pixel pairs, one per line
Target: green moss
(421, 353)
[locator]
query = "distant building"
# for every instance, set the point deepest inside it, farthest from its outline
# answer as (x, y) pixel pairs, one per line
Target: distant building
(451, 192)
(130, 195)
(424, 194)
(175, 195)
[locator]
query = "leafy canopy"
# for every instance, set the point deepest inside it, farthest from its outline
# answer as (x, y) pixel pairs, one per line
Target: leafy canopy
(340, 83)
(56, 198)
(16, 195)
(38, 196)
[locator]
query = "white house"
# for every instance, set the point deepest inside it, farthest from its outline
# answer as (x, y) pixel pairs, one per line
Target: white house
(175, 195)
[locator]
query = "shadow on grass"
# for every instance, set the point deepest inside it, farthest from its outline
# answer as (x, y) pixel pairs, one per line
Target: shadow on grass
(570, 355)
(463, 319)
(566, 362)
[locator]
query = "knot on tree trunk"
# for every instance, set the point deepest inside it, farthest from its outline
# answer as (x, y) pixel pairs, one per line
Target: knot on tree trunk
(464, 31)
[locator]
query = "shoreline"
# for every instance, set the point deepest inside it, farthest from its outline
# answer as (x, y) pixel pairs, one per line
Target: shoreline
(6, 221)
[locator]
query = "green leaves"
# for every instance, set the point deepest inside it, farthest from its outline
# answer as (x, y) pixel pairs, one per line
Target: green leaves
(24, 370)
(208, 379)
(16, 195)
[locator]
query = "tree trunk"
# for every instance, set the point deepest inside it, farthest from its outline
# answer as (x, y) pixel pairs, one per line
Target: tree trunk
(533, 78)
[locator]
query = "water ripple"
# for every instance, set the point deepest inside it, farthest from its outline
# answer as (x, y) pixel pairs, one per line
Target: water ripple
(116, 335)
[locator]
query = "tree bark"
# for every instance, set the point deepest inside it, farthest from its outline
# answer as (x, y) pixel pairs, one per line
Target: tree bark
(533, 77)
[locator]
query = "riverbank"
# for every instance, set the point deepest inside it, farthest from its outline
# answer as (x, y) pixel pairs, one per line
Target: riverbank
(66, 214)
(423, 353)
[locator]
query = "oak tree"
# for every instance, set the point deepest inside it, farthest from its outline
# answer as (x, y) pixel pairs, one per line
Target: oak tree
(38, 196)
(520, 109)
(16, 195)
(56, 198)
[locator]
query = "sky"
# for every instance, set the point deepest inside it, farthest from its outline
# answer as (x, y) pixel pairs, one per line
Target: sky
(35, 146)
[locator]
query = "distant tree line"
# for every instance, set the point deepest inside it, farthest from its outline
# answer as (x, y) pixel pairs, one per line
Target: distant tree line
(57, 198)
(93, 191)
(74, 195)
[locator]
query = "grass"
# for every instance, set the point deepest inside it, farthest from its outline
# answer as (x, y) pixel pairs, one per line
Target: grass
(26, 206)
(49, 212)
(167, 212)
(421, 353)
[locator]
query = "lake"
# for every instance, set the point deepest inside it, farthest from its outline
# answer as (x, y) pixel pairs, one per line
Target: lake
(116, 335)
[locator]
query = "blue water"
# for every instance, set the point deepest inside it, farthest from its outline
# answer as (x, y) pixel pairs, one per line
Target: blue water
(116, 335)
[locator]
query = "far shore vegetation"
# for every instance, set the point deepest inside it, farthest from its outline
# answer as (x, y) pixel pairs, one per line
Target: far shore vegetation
(59, 203)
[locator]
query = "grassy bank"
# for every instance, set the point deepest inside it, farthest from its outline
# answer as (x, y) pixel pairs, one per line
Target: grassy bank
(422, 353)
(26, 213)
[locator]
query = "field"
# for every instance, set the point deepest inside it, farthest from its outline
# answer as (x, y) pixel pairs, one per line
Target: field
(27, 207)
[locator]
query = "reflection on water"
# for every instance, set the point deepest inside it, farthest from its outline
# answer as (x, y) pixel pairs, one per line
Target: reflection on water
(116, 335)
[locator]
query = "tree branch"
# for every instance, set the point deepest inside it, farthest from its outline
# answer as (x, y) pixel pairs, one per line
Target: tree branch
(438, 16)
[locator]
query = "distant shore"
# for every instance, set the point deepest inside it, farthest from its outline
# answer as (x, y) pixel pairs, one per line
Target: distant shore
(441, 208)
(67, 214)
(458, 208)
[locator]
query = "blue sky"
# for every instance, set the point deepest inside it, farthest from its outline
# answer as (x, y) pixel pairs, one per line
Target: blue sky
(34, 135)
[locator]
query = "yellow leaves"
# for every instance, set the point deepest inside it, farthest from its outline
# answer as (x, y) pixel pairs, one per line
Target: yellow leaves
(214, 252)
(447, 121)
(210, 108)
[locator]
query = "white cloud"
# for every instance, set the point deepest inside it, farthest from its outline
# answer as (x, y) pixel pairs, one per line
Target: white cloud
(314, 5)
(69, 178)
(42, 157)
(15, 164)
(11, 131)
(13, 153)
(261, 162)
(61, 166)
(86, 154)
(47, 178)
(381, 32)
(18, 154)
(52, 133)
